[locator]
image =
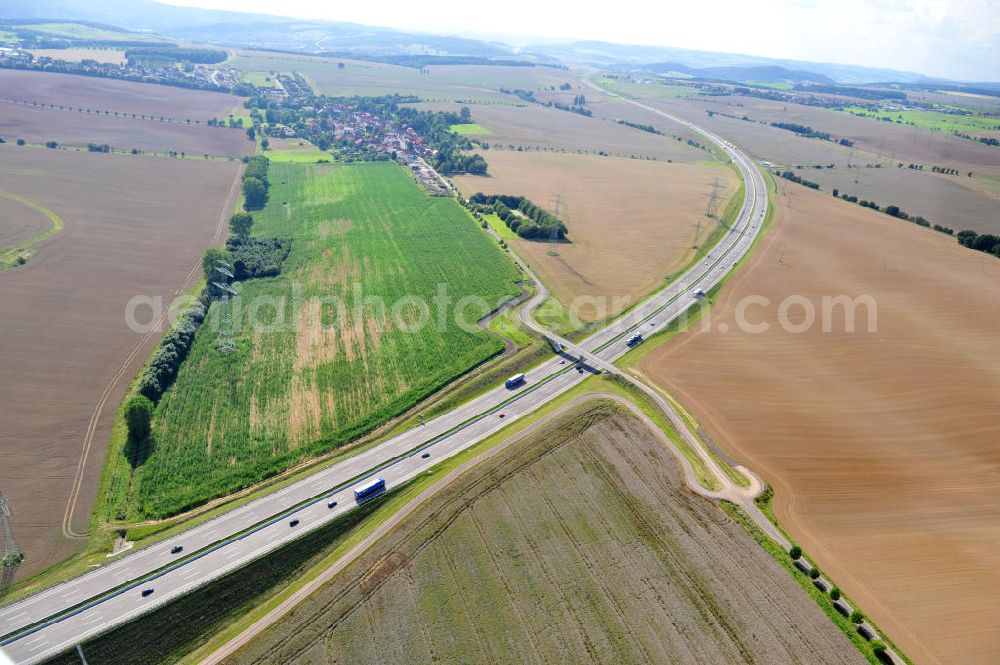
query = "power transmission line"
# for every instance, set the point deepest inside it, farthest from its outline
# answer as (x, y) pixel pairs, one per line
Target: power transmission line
(12, 555)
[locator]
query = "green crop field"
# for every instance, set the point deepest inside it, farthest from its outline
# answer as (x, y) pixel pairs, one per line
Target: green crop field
(655, 90)
(469, 129)
(304, 154)
(974, 125)
(326, 373)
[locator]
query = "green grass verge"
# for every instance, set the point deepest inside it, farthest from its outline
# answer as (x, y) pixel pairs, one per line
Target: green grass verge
(499, 227)
(935, 121)
(19, 254)
(509, 325)
(469, 129)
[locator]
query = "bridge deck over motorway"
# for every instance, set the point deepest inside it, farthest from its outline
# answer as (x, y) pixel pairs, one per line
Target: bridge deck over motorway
(56, 619)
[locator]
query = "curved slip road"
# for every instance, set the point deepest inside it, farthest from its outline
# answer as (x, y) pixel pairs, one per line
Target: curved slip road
(54, 620)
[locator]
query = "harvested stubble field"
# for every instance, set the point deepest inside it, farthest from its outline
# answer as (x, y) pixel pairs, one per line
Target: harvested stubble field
(578, 544)
(310, 375)
(126, 97)
(71, 128)
(479, 83)
(132, 226)
(881, 446)
(631, 222)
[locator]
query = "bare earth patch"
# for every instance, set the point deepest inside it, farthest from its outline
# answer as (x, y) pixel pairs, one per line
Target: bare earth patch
(882, 447)
(577, 545)
(132, 226)
(631, 222)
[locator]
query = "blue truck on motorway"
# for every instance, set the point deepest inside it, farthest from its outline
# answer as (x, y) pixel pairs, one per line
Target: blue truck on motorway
(514, 381)
(370, 488)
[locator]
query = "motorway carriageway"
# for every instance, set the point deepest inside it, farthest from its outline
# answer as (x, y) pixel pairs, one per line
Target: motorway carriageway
(54, 620)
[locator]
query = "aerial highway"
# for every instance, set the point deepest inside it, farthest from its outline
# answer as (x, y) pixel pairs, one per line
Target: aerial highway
(56, 619)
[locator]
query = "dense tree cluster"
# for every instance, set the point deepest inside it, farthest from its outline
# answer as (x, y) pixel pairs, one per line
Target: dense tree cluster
(148, 73)
(852, 91)
(636, 125)
(138, 418)
(205, 56)
(529, 221)
(802, 130)
(173, 349)
(435, 128)
(981, 242)
(790, 175)
(257, 257)
(255, 183)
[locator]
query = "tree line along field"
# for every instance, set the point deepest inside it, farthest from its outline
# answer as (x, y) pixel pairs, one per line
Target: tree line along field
(324, 376)
(125, 97)
(579, 544)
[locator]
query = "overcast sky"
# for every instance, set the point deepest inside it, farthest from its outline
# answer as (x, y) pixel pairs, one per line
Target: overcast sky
(950, 38)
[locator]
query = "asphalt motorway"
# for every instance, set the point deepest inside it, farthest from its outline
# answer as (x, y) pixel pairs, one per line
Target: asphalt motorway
(56, 619)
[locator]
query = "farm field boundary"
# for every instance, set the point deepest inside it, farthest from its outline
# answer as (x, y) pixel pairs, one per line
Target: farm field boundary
(21, 252)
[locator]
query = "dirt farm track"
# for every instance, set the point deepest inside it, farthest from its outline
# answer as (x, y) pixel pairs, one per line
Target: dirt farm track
(133, 225)
(882, 447)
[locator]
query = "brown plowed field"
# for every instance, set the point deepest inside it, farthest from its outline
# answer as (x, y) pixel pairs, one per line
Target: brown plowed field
(90, 92)
(132, 226)
(631, 222)
(70, 128)
(958, 201)
(578, 545)
(882, 447)
(19, 222)
(906, 144)
(537, 127)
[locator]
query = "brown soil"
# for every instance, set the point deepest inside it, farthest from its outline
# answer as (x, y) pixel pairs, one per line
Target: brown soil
(959, 202)
(70, 128)
(536, 127)
(631, 222)
(94, 93)
(881, 446)
(904, 143)
(132, 226)
(579, 544)
(19, 222)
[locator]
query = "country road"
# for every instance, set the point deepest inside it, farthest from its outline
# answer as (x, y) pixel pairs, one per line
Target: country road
(56, 619)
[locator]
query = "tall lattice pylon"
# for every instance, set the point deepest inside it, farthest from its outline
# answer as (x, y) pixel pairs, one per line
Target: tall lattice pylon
(12, 554)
